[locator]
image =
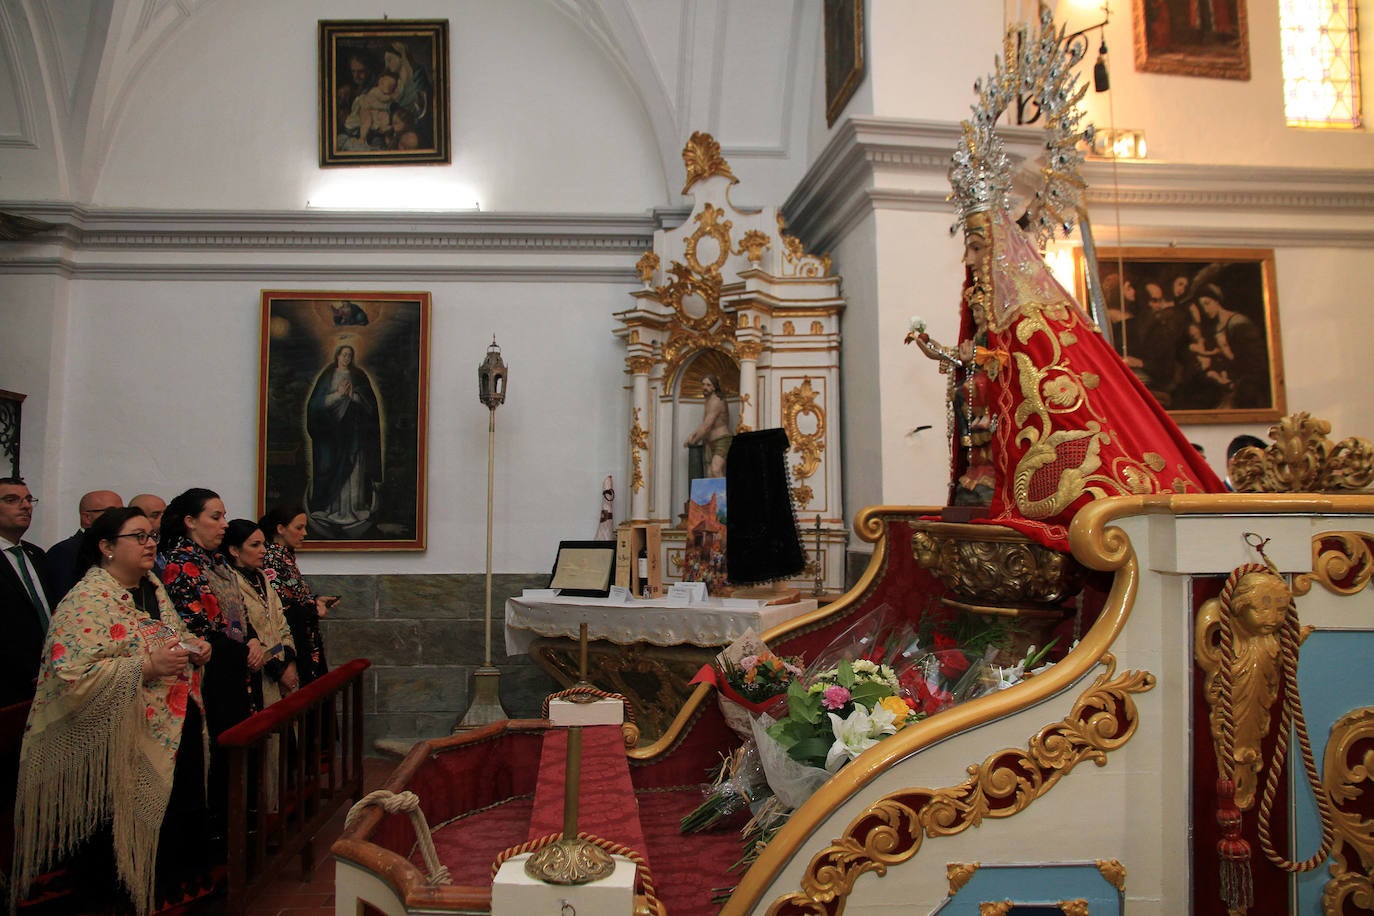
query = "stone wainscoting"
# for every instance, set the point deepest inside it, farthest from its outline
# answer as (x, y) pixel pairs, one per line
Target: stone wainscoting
(425, 636)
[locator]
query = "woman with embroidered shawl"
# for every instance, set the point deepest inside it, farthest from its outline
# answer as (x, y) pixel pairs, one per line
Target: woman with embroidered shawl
(205, 593)
(112, 769)
(244, 546)
(284, 527)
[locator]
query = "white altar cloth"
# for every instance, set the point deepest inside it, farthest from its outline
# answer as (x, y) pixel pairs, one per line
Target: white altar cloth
(716, 622)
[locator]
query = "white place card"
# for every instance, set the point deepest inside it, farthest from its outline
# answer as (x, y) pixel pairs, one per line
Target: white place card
(618, 594)
(686, 592)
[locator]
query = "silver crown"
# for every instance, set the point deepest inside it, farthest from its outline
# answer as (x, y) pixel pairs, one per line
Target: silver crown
(1039, 65)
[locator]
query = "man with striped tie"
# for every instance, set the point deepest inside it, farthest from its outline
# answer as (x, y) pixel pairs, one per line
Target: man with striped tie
(26, 599)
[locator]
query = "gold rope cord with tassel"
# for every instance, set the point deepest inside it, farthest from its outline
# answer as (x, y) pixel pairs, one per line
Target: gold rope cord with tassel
(616, 849)
(1233, 849)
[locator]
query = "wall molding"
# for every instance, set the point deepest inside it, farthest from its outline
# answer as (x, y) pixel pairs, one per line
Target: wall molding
(98, 243)
(873, 164)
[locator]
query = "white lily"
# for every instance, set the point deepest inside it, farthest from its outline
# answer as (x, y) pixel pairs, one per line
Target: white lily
(856, 733)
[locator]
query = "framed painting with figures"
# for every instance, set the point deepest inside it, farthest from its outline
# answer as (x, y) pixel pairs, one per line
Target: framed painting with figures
(1198, 326)
(1208, 38)
(342, 415)
(384, 96)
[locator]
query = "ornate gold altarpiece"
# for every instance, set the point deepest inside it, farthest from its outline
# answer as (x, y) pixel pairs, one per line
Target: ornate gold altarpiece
(729, 293)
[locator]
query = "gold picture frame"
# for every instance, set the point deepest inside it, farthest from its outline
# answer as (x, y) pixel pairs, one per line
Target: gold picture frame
(384, 92)
(343, 389)
(844, 54)
(1198, 326)
(1209, 38)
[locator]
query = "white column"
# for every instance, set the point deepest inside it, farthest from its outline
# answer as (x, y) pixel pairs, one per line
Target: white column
(640, 421)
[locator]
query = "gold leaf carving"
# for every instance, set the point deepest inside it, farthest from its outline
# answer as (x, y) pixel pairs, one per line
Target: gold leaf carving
(1303, 460)
(995, 908)
(702, 157)
(1342, 561)
(817, 328)
(1348, 777)
(1259, 607)
(748, 349)
(639, 439)
(752, 244)
(892, 829)
(796, 261)
(709, 225)
(959, 874)
(1114, 872)
(1074, 907)
(796, 403)
(639, 365)
(646, 266)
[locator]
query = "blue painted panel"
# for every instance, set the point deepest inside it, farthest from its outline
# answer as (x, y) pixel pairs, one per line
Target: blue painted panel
(1035, 887)
(1335, 676)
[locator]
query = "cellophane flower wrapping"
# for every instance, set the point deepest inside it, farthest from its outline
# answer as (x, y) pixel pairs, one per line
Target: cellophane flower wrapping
(751, 678)
(739, 784)
(792, 782)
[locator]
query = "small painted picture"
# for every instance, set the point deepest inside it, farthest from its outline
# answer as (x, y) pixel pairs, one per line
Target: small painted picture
(703, 559)
(1192, 37)
(342, 415)
(384, 92)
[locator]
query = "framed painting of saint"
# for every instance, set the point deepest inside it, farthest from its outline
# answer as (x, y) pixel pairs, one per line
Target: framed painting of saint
(1192, 37)
(1198, 326)
(384, 96)
(342, 415)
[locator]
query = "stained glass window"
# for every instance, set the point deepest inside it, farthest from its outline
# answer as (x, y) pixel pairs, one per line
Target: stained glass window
(1321, 63)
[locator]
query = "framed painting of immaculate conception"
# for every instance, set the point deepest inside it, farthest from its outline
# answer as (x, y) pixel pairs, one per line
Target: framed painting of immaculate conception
(384, 92)
(1198, 326)
(342, 404)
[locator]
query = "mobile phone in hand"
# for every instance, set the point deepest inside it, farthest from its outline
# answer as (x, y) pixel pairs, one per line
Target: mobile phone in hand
(330, 600)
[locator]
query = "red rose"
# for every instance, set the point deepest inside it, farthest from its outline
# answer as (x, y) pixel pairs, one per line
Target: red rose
(952, 664)
(119, 631)
(58, 650)
(191, 570)
(176, 698)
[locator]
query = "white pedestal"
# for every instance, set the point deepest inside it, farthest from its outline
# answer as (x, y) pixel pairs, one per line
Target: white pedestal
(515, 893)
(565, 713)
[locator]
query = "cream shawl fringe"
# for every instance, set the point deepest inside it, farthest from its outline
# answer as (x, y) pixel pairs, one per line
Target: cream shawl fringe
(82, 770)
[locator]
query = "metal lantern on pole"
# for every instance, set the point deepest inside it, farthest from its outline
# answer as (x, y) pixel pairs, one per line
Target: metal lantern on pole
(491, 391)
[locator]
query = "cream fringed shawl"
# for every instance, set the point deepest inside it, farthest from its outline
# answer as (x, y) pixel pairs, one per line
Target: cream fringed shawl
(100, 745)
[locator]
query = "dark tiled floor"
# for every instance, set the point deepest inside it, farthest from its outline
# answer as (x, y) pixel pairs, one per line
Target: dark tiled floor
(289, 896)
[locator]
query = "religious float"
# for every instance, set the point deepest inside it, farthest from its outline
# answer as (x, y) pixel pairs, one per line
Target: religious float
(1197, 737)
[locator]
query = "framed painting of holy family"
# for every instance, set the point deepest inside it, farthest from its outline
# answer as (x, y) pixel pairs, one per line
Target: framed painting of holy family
(1198, 326)
(342, 415)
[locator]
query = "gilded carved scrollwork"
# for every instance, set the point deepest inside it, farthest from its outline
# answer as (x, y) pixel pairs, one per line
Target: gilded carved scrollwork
(795, 259)
(1073, 907)
(1259, 605)
(709, 225)
(995, 907)
(799, 402)
(1348, 778)
(1342, 562)
(892, 830)
(959, 874)
(988, 569)
(1303, 460)
(640, 365)
(748, 349)
(702, 157)
(1114, 872)
(639, 440)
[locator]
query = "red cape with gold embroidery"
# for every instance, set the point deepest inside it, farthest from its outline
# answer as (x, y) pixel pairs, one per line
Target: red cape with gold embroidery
(1073, 422)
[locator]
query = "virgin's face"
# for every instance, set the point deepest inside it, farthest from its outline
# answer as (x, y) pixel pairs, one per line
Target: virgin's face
(124, 556)
(345, 357)
(293, 534)
(976, 249)
(1209, 305)
(249, 555)
(207, 529)
(393, 61)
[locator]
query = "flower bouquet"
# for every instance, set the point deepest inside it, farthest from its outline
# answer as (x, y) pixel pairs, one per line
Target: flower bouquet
(739, 784)
(748, 678)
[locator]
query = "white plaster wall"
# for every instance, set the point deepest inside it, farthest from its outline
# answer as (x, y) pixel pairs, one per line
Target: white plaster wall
(29, 166)
(224, 116)
(172, 403)
(32, 318)
(861, 387)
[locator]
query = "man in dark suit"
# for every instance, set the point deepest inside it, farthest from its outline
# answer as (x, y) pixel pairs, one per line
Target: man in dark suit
(26, 595)
(62, 555)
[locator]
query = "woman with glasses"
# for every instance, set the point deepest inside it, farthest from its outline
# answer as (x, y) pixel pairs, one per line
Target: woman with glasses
(112, 767)
(205, 592)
